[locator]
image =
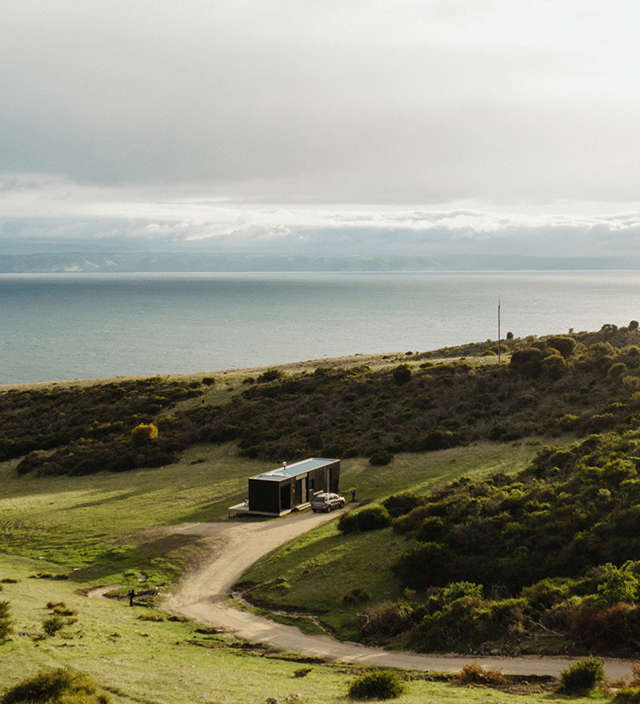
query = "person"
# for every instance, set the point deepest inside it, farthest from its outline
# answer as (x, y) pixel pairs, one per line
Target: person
(131, 594)
(353, 495)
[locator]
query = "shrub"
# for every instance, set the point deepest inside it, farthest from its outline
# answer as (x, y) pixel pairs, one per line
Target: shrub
(356, 596)
(380, 457)
(616, 585)
(476, 674)
(627, 695)
(565, 345)
(348, 523)
(376, 685)
(52, 686)
(582, 676)
(457, 590)
(554, 366)
(373, 518)
(423, 566)
(438, 439)
(432, 528)
(401, 374)
(52, 625)
(617, 370)
(144, 433)
(528, 361)
(633, 325)
(208, 380)
(399, 504)
(270, 375)
(5, 620)
(385, 619)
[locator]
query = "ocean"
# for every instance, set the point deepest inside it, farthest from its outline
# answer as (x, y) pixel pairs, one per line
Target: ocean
(72, 326)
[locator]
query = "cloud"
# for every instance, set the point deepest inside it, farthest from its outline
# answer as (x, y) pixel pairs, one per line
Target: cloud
(411, 101)
(44, 212)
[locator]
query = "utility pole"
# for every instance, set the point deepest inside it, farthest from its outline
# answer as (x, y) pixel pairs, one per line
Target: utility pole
(498, 331)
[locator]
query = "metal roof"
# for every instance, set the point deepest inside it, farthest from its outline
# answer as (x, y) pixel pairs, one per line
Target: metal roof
(293, 470)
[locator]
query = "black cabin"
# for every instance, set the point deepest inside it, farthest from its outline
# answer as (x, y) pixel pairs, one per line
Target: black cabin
(292, 486)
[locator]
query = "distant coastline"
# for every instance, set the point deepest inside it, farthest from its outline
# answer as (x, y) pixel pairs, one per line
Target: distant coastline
(208, 262)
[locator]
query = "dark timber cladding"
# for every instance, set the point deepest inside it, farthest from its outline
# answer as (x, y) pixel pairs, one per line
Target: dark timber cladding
(290, 486)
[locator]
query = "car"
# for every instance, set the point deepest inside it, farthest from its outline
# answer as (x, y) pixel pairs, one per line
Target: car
(324, 501)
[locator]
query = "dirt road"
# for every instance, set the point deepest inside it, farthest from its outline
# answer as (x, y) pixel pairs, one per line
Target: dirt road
(203, 595)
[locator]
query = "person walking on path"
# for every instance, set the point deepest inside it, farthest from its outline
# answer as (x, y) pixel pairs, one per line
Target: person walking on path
(353, 495)
(131, 594)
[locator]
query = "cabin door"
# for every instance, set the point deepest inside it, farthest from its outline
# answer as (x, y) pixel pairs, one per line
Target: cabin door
(285, 497)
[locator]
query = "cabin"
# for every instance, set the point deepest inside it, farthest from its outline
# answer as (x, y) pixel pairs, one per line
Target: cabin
(290, 487)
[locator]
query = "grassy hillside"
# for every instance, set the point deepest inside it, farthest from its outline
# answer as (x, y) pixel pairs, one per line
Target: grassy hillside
(94, 504)
(546, 560)
(108, 527)
(578, 383)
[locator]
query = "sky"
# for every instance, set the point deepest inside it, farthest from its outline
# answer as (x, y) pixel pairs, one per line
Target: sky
(429, 124)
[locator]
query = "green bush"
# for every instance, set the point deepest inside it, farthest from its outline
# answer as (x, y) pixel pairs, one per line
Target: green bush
(401, 374)
(54, 686)
(627, 695)
(432, 528)
(385, 619)
(564, 344)
(270, 375)
(528, 361)
(377, 685)
(52, 625)
(582, 676)
(457, 590)
(5, 620)
(380, 458)
(399, 504)
(348, 523)
(373, 518)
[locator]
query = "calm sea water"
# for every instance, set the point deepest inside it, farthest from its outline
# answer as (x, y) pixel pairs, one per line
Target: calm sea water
(77, 326)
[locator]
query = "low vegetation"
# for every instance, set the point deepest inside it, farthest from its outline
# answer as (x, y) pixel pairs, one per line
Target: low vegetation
(543, 560)
(382, 684)
(582, 676)
(581, 383)
(60, 685)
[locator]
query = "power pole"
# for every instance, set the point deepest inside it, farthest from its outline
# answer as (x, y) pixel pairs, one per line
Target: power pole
(498, 331)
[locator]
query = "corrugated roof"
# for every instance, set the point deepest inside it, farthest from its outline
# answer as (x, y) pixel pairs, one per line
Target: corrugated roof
(293, 470)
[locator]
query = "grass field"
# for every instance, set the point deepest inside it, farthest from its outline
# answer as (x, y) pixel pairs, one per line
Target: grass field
(105, 525)
(165, 662)
(323, 565)
(113, 528)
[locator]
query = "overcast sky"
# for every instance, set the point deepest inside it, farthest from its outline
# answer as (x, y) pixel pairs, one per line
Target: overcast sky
(227, 118)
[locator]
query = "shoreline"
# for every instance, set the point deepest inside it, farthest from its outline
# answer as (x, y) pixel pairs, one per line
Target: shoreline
(377, 360)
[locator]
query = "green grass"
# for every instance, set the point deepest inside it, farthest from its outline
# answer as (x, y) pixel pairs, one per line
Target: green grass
(171, 663)
(323, 565)
(105, 526)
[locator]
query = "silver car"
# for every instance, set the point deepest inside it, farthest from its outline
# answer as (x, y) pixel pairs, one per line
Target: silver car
(326, 502)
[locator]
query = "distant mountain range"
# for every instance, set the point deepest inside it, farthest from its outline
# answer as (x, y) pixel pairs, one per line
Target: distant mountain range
(82, 262)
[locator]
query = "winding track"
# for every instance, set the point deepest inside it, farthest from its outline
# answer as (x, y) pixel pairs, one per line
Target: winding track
(203, 595)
